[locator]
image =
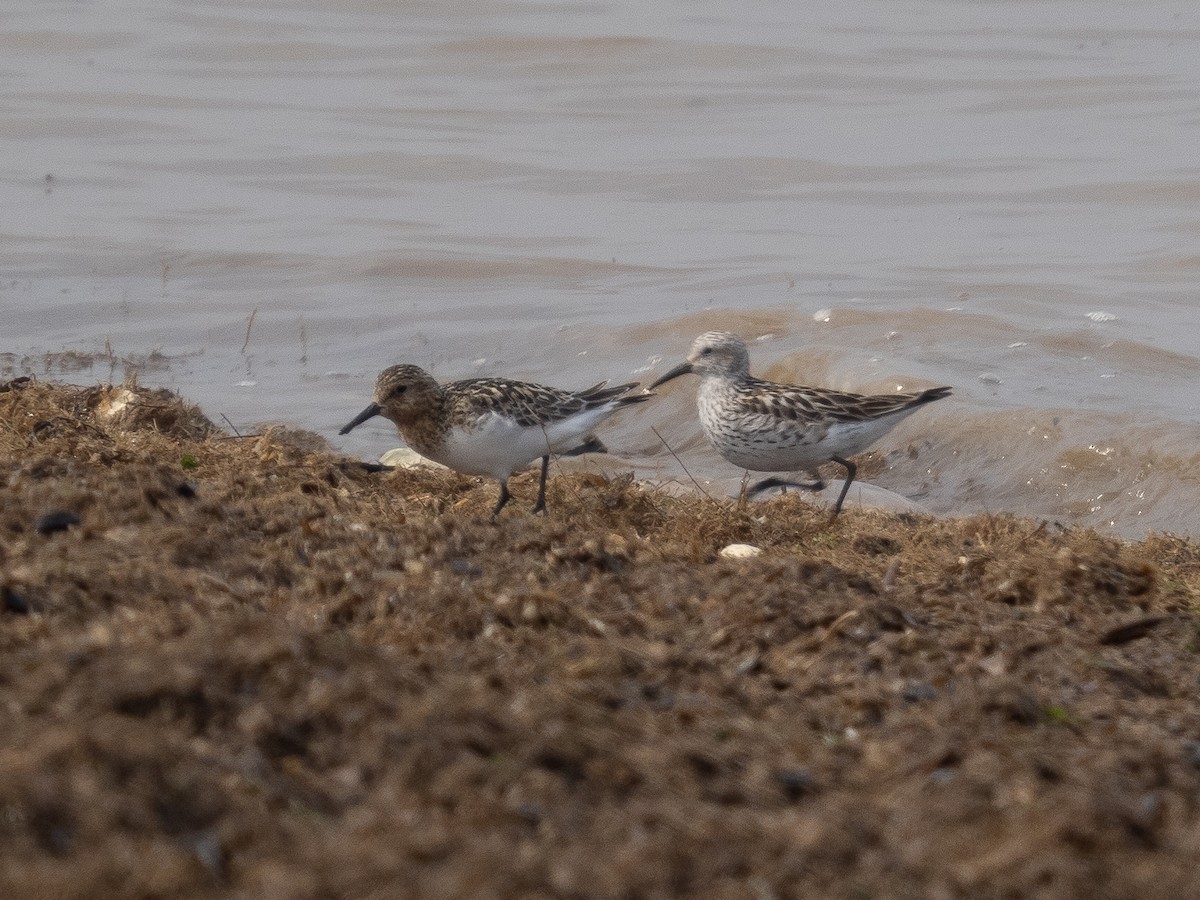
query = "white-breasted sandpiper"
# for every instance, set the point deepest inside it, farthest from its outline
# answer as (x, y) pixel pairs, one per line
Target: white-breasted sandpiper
(493, 426)
(764, 426)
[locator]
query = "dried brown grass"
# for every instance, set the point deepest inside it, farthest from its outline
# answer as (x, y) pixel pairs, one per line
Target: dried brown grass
(254, 668)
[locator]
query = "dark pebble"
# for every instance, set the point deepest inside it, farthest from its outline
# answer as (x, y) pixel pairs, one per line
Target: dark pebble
(530, 813)
(14, 602)
(56, 521)
(918, 691)
(795, 784)
(58, 840)
(208, 850)
(1191, 752)
(465, 568)
(1131, 631)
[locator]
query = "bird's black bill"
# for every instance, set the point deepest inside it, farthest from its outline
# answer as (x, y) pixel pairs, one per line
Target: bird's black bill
(681, 369)
(369, 413)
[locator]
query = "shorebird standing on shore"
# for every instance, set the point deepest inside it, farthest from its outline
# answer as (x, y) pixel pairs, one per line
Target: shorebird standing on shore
(768, 427)
(493, 426)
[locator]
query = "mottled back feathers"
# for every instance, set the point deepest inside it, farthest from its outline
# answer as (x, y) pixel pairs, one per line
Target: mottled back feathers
(794, 403)
(530, 404)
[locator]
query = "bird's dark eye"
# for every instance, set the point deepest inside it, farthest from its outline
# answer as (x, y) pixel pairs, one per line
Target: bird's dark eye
(706, 351)
(399, 389)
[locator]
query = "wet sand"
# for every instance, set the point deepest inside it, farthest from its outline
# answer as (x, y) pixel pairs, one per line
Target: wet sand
(248, 666)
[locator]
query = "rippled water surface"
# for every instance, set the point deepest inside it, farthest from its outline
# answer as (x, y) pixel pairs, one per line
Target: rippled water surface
(263, 203)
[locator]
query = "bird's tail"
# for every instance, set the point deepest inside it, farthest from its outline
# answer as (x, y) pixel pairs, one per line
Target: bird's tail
(928, 396)
(600, 393)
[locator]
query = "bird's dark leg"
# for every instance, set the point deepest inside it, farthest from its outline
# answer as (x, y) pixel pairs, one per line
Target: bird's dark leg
(540, 506)
(767, 483)
(505, 496)
(743, 499)
(851, 471)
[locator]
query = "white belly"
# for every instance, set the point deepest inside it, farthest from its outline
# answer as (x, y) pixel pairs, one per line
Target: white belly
(767, 444)
(498, 446)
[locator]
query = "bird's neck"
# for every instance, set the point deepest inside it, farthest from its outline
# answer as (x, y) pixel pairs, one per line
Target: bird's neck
(720, 382)
(423, 426)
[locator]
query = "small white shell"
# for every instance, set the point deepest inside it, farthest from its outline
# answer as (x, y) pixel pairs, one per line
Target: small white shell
(407, 458)
(740, 551)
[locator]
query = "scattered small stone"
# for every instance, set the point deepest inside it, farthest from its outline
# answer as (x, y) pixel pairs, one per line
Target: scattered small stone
(1023, 708)
(749, 665)
(1191, 752)
(993, 664)
(740, 551)
(14, 602)
(918, 692)
(1047, 772)
(56, 521)
(1132, 630)
(208, 850)
(795, 783)
(530, 813)
(465, 568)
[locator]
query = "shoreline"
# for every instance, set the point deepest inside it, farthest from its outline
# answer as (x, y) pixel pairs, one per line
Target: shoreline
(248, 666)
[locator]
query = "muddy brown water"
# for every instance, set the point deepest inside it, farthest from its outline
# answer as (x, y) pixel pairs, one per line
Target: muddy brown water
(263, 204)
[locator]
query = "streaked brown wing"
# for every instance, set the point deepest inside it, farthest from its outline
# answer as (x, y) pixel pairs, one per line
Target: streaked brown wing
(809, 404)
(527, 404)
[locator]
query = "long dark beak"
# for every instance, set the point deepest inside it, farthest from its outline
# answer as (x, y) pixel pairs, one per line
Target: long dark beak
(369, 413)
(681, 369)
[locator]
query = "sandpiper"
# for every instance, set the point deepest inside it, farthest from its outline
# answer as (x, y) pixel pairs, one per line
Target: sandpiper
(768, 427)
(493, 426)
